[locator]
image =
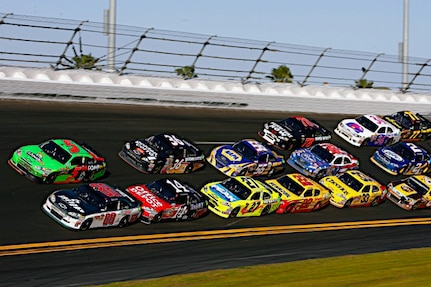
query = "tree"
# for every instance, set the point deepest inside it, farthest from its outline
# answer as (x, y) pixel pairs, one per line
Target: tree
(84, 61)
(363, 84)
(187, 72)
(281, 74)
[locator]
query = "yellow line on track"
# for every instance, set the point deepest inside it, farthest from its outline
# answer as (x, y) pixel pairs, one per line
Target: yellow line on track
(55, 246)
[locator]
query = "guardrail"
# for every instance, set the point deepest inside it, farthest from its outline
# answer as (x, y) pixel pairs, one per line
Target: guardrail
(28, 41)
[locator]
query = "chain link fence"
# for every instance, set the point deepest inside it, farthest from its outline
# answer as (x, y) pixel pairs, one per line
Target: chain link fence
(28, 41)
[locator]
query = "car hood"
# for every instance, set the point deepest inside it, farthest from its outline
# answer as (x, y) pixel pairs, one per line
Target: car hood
(228, 155)
(406, 190)
(223, 193)
(281, 130)
(142, 149)
(354, 127)
(148, 198)
(35, 156)
(310, 158)
(389, 154)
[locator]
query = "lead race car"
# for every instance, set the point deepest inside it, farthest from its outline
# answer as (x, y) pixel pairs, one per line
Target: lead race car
(413, 192)
(247, 157)
(293, 132)
(368, 130)
(58, 161)
(168, 199)
(164, 153)
(92, 205)
(322, 160)
(413, 126)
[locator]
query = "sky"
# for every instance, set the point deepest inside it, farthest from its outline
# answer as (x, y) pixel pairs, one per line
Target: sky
(374, 26)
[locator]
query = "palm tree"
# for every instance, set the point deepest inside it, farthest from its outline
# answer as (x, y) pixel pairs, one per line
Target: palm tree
(281, 74)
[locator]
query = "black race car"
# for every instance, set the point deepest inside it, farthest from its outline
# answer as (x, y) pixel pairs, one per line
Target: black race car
(294, 132)
(163, 153)
(414, 127)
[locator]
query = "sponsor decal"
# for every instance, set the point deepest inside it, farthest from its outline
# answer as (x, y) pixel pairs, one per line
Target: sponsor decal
(148, 151)
(392, 155)
(72, 202)
(224, 192)
(147, 196)
(280, 130)
(356, 127)
(231, 155)
(35, 156)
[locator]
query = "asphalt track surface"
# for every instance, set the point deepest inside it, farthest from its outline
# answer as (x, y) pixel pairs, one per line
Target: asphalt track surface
(164, 249)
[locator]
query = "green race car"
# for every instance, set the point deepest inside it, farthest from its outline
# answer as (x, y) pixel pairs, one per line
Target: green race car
(58, 161)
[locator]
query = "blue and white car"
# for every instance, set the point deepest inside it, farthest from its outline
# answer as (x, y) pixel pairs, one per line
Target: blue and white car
(402, 158)
(322, 160)
(368, 130)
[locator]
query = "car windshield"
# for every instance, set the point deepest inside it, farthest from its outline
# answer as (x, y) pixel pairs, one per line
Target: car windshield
(163, 191)
(55, 151)
(236, 188)
(350, 181)
(294, 124)
(403, 151)
(417, 185)
(158, 144)
(290, 185)
(403, 120)
(89, 196)
(367, 123)
(245, 150)
(322, 153)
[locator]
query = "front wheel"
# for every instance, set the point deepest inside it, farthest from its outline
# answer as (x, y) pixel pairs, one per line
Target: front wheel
(51, 178)
(157, 218)
(234, 212)
(365, 142)
(123, 222)
(348, 203)
(85, 225)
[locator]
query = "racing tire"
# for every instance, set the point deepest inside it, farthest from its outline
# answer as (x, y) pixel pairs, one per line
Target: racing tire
(51, 178)
(157, 168)
(375, 202)
(270, 172)
(86, 225)
(265, 210)
(347, 204)
(124, 222)
(365, 142)
(320, 174)
(317, 206)
(88, 177)
(189, 168)
(390, 142)
(242, 172)
(415, 206)
(289, 208)
(157, 218)
(234, 212)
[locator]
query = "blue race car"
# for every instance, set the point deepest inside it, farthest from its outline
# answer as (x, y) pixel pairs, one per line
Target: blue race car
(247, 157)
(402, 158)
(322, 160)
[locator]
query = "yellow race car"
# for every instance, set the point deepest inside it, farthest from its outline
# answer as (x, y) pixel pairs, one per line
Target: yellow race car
(299, 193)
(353, 189)
(411, 193)
(240, 196)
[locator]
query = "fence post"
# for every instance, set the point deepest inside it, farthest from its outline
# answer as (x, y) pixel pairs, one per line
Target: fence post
(134, 50)
(62, 56)
(314, 66)
(259, 59)
(202, 49)
(404, 90)
(369, 67)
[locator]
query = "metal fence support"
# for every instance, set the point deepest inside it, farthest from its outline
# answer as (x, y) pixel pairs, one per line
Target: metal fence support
(143, 36)
(259, 59)
(202, 49)
(62, 56)
(314, 66)
(406, 87)
(365, 71)
(4, 17)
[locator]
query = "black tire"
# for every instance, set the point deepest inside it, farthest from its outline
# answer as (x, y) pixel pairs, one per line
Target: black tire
(88, 176)
(86, 225)
(375, 202)
(347, 204)
(124, 222)
(242, 172)
(289, 208)
(317, 206)
(51, 178)
(266, 210)
(390, 142)
(234, 212)
(157, 218)
(270, 172)
(365, 142)
(189, 168)
(320, 174)
(157, 168)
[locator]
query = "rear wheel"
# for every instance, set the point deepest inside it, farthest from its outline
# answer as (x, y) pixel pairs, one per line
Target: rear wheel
(189, 168)
(124, 222)
(375, 201)
(266, 210)
(317, 206)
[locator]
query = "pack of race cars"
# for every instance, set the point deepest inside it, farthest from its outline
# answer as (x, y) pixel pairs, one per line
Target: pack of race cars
(256, 183)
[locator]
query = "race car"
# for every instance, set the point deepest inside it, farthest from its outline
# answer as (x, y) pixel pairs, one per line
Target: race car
(368, 130)
(414, 127)
(58, 161)
(247, 157)
(92, 205)
(168, 199)
(299, 193)
(164, 153)
(354, 188)
(321, 160)
(240, 196)
(294, 132)
(411, 193)
(402, 158)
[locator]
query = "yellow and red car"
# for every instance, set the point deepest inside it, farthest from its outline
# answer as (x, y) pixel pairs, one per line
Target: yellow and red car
(354, 189)
(411, 193)
(240, 196)
(299, 193)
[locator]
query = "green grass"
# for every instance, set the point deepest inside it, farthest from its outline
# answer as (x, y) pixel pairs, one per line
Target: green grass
(394, 268)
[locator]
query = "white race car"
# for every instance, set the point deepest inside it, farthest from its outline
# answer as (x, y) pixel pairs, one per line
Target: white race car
(92, 205)
(368, 130)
